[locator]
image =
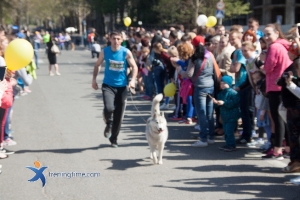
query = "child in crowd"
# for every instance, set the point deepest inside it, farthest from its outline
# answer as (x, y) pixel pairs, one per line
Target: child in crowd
(262, 108)
(185, 51)
(96, 49)
(144, 72)
(228, 100)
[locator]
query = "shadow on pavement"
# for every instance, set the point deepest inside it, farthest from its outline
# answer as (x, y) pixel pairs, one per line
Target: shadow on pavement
(243, 185)
(127, 164)
(66, 151)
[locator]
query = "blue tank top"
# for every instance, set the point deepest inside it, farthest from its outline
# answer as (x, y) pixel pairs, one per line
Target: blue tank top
(115, 73)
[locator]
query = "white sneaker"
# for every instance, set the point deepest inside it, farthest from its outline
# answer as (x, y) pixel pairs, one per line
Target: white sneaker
(253, 133)
(258, 141)
(164, 107)
(210, 141)
(200, 144)
(23, 93)
(296, 180)
(266, 145)
(9, 142)
(189, 121)
(197, 127)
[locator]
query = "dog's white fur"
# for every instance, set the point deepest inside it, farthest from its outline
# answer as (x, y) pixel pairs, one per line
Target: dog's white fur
(156, 131)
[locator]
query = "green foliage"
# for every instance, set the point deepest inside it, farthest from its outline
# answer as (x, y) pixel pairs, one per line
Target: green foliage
(147, 11)
(104, 6)
(174, 11)
(185, 11)
(233, 8)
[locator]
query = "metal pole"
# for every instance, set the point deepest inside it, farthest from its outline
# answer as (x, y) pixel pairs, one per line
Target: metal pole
(220, 21)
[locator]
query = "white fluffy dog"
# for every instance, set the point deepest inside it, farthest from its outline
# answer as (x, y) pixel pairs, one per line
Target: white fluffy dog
(156, 131)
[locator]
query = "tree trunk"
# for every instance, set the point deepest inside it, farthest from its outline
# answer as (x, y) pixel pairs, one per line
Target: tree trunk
(80, 21)
(196, 11)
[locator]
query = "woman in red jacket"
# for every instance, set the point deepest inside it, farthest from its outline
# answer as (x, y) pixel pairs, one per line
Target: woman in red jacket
(277, 60)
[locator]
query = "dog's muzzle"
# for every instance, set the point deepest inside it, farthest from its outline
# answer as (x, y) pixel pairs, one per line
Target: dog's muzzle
(160, 130)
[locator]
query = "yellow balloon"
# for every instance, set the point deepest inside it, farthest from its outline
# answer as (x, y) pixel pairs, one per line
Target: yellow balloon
(170, 90)
(127, 21)
(18, 54)
(211, 21)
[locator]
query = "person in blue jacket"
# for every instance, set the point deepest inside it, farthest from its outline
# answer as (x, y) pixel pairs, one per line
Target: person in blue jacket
(229, 102)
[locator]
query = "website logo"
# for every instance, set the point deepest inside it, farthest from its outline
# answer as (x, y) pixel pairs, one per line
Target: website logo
(38, 170)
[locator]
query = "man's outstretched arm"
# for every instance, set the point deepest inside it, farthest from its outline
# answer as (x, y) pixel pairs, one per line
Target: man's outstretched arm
(97, 69)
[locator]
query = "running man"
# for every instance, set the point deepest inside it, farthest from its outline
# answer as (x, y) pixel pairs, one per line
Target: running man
(114, 87)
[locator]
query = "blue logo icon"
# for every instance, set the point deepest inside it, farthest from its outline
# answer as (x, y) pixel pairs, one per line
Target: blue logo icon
(38, 173)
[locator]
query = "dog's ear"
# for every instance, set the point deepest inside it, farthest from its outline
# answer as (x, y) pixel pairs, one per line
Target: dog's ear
(154, 116)
(163, 114)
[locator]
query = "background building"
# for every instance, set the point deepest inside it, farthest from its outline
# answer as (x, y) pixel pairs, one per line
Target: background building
(270, 11)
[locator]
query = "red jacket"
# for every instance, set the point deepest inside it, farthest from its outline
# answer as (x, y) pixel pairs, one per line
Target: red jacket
(277, 60)
(7, 98)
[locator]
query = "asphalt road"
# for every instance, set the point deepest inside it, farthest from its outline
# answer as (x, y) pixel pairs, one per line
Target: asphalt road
(60, 124)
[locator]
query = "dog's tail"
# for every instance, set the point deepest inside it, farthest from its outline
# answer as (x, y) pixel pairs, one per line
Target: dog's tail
(155, 104)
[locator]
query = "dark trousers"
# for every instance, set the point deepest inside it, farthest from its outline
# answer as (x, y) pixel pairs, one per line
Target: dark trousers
(247, 112)
(114, 99)
(67, 44)
(293, 119)
(95, 53)
(274, 101)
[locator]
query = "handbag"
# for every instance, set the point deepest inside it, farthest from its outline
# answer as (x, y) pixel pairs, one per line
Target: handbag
(54, 48)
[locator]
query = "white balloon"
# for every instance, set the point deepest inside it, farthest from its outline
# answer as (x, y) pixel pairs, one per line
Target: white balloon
(201, 20)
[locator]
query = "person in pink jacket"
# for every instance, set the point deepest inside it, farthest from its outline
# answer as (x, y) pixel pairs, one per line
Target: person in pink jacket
(6, 102)
(277, 60)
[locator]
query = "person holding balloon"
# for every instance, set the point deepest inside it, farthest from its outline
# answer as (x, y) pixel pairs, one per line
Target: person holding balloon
(3, 88)
(52, 56)
(6, 93)
(18, 53)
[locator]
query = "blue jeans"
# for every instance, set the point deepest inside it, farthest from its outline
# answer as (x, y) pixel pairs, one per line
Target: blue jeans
(36, 53)
(204, 109)
(189, 107)
(159, 77)
(247, 112)
(149, 81)
(6, 127)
